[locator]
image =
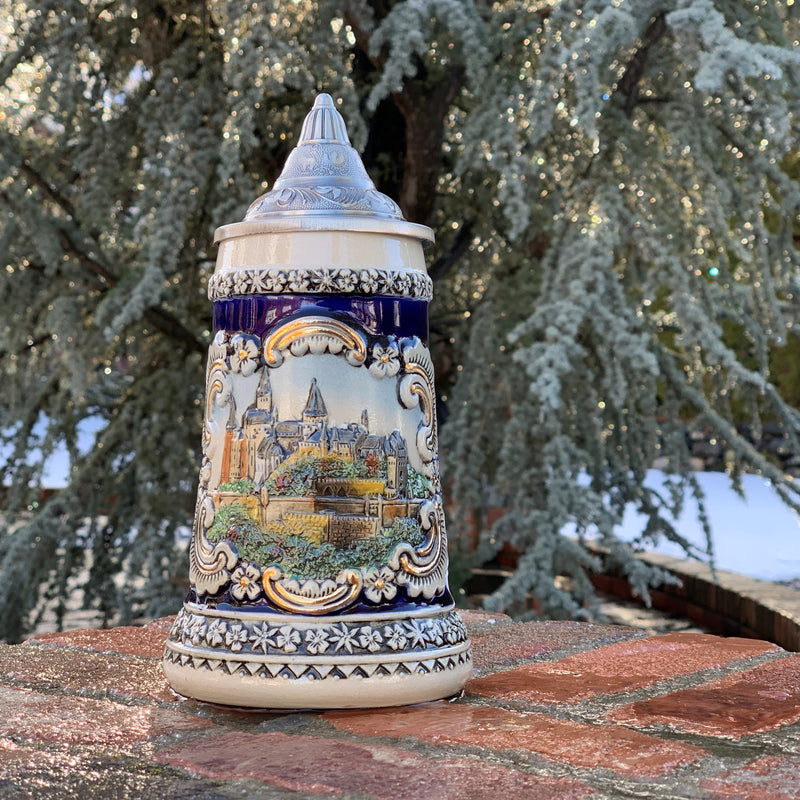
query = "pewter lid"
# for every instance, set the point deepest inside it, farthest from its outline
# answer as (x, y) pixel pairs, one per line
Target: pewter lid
(324, 182)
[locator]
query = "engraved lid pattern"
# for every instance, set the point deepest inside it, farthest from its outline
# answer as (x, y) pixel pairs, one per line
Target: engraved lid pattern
(324, 174)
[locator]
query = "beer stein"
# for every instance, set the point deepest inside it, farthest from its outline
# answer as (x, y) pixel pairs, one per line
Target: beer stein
(318, 559)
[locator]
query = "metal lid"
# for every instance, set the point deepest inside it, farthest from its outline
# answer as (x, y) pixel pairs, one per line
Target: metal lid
(324, 186)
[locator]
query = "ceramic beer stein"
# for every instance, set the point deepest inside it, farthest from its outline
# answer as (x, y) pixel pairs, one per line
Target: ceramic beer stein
(318, 560)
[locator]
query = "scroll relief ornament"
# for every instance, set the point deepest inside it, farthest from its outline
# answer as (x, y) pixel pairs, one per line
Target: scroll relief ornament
(256, 465)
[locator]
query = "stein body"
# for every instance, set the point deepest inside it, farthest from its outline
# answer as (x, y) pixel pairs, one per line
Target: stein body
(318, 560)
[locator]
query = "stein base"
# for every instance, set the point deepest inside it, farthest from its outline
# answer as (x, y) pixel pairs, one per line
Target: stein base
(279, 662)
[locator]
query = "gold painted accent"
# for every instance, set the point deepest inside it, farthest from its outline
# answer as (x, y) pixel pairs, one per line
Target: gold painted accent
(424, 391)
(426, 565)
(423, 569)
(422, 560)
(348, 587)
(315, 335)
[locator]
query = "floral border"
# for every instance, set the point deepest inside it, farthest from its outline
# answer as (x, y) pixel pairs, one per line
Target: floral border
(320, 280)
(336, 638)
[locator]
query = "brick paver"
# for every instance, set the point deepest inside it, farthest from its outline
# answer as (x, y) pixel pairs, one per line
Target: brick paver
(521, 642)
(766, 778)
(87, 672)
(616, 668)
(609, 746)
(89, 714)
(759, 699)
(144, 642)
(311, 764)
(31, 717)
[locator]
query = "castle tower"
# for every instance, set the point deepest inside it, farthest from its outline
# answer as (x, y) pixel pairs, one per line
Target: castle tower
(315, 414)
(258, 421)
(396, 464)
(234, 452)
(238, 457)
(269, 457)
(264, 393)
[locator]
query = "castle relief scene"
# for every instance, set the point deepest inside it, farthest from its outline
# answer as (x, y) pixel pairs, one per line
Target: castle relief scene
(339, 479)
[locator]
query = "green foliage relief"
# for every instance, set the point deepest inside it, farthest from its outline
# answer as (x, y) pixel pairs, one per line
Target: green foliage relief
(243, 486)
(300, 557)
(296, 476)
(614, 189)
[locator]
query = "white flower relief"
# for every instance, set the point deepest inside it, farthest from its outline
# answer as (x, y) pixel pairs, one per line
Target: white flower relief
(416, 633)
(246, 582)
(225, 282)
(434, 633)
(370, 639)
(343, 638)
(261, 638)
(395, 636)
(324, 280)
(379, 584)
(316, 641)
(241, 282)
(236, 636)
(275, 282)
(348, 280)
(453, 632)
(369, 281)
(258, 282)
(385, 361)
(196, 631)
(244, 358)
(296, 281)
(402, 283)
(215, 633)
(287, 639)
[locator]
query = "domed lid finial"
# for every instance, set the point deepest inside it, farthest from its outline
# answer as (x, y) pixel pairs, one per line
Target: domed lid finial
(324, 124)
(324, 175)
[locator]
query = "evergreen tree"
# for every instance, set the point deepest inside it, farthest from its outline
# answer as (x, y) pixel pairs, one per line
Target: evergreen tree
(614, 188)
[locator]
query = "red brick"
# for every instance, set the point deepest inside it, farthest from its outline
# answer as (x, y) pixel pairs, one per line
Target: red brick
(759, 699)
(161, 624)
(620, 667)
(513, 644)
(17, 762)
(476, 618)
(620, 749)
(145, 642)
(78, 670)
(311, 764)
(35, 717)
(766, 778)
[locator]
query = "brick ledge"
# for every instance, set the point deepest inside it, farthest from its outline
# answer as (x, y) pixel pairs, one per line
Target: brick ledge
(731, 605)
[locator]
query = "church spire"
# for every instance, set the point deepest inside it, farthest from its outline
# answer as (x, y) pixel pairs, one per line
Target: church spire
(315, 410)
(264, 392)
(233, 422)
